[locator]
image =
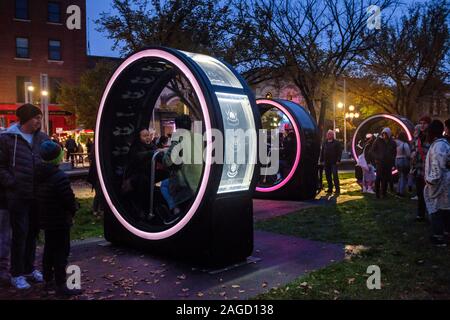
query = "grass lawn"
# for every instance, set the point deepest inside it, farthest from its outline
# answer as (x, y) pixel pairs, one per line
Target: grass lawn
(86, 225)
(375, 232)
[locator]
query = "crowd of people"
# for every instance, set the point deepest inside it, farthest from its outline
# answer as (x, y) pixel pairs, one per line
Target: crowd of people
(72, 149)
(36, 195)
(421, 164)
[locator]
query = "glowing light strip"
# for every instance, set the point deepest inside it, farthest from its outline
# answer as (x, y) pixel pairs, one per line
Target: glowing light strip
(297, 136)
(383, 116)
(156, 53)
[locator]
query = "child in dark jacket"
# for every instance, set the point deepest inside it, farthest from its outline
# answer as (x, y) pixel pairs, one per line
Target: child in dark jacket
(57, 207)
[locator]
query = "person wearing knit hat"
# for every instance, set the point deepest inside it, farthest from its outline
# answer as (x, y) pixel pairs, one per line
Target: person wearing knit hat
(57, 207)
(425, 122)
(27, 112)
(19, 156)
(51, 152)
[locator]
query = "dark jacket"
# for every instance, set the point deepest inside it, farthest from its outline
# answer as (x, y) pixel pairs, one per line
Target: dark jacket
(71, 145)
(92, 177)
(331, 152)
(384, 152)
(3, 202)
(141, 157)
(368, 153)
(55, 198)
(17, 162)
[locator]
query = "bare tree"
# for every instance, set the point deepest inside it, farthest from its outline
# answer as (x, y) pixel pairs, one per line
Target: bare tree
(408, 58)
(312, 41)
(201, 26)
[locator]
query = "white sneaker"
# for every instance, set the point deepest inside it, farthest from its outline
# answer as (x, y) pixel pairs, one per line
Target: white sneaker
(415, 198)
(36, 276)
(20, 283)
(370, 190)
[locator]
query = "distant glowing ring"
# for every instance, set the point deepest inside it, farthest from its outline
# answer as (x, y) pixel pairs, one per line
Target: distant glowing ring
(297, 136)
(383, 116)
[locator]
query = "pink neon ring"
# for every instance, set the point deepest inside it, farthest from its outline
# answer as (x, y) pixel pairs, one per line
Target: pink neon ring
(297, 156)
(190, 76)
(384, 116)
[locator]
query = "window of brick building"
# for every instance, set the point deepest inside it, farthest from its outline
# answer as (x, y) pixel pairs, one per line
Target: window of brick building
(22, 10)
(22, 48)
(54, 50)
(55, 89)
(54, 12)
(20, 88)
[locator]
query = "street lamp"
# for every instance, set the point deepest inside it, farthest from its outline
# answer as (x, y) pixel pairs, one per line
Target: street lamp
(351, 108)
(44, 105)
(28, 86)
(340, 105)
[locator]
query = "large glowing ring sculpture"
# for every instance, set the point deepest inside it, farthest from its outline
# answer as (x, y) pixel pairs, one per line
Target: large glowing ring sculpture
(217, 226)
(300, 183)
(406, 125)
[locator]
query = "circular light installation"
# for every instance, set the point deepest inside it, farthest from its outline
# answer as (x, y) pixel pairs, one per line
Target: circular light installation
(222, 199)
(283, 109)
(298, 179)
(402, 122)
(155, 53)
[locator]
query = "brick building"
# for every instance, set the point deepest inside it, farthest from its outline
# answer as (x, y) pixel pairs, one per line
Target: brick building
(35, 41)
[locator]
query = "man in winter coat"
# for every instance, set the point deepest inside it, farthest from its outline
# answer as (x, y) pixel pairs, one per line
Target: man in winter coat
(383, 152)
(19, 155)
(330, 156)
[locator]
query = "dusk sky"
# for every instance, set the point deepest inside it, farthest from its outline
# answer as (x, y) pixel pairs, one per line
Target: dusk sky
(99, 44)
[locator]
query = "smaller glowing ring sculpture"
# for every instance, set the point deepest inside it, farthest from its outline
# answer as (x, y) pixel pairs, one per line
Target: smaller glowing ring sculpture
(404, 123)
(298, 143)
(301, 181)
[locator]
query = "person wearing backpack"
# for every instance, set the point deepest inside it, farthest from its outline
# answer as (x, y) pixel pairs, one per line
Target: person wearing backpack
(437, 188)
(402, 162)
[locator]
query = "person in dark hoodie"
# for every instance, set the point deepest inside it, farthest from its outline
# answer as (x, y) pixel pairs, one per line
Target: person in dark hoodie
(383, 153)
(19, 155)
(57, 207)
